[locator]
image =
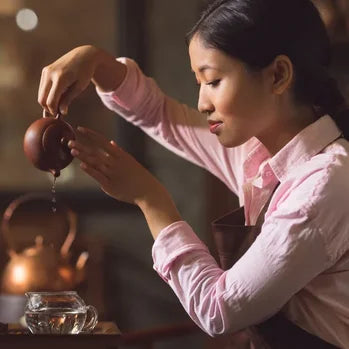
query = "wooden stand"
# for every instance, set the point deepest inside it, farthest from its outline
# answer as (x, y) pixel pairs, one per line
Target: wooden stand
(105, 336)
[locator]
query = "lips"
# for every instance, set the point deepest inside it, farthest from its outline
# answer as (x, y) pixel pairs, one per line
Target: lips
(214, 126)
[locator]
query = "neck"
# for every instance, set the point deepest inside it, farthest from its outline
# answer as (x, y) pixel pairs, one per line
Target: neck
(286, 127)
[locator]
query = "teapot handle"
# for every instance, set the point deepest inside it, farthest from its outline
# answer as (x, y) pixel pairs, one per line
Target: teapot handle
(46, 114)
(5, 224)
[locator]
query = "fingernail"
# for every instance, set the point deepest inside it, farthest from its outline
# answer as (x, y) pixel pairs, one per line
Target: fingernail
(83, 166)
(74, 152)
(81, 129)
(71, 144)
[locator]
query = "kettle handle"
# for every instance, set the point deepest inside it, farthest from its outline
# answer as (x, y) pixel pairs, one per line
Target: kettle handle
(70, 215)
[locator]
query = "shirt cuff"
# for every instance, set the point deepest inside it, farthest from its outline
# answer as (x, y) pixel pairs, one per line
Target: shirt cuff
(174, 241)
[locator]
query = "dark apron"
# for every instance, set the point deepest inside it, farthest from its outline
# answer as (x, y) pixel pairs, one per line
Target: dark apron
(233, 238)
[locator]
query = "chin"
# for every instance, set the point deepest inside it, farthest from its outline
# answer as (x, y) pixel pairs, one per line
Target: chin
(232, 142)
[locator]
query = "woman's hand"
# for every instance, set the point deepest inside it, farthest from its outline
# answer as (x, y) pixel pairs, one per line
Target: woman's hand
(118, 173)
(67, 77)
(123, 178)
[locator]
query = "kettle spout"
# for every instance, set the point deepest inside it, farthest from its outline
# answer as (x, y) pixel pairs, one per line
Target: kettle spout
(80, 267)
(80, 263)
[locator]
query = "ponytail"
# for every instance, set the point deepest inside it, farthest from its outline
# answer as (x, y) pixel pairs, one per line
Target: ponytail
(341, 117)
(331, 101)
(313, 85)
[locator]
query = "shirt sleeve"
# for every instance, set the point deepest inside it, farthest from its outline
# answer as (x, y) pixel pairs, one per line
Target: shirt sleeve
(275, 267)
(179, 128)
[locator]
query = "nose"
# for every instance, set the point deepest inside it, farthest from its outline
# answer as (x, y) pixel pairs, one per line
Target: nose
(204, 103)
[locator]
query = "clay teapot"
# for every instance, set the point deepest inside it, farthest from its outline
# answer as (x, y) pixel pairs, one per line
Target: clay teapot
(40, 267)
(45, 143)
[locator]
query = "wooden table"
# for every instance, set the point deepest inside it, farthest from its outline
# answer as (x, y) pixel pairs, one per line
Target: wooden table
(105, 336)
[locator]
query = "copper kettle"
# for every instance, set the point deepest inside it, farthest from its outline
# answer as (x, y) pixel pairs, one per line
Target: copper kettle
(40, 267)
(45, 143)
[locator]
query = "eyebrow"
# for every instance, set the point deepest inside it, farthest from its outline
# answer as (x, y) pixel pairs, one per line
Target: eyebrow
(205, 67)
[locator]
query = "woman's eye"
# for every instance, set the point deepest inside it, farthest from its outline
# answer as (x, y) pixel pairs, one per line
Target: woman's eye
(213, 83)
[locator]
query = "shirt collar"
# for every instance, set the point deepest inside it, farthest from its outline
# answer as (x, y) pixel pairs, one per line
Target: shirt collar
(306, 144)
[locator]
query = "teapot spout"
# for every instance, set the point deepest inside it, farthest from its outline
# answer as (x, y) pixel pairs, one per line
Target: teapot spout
(56, 173)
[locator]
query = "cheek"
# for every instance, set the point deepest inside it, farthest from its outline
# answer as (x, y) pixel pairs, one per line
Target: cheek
(234, 97)
(244, 114)
(241, 99)
(227, 100)
(236, 103)
(248, 103)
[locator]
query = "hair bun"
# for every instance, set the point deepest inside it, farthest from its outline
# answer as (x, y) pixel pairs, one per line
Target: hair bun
(329, 97)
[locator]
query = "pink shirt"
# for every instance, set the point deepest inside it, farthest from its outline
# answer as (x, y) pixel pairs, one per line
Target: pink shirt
(300, 261)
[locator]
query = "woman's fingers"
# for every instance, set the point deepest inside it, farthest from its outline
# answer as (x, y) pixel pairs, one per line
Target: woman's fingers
(99, 139)
(54, 96)
(118, 173)
(93, 157)
(44, 89)
(99, 176)
(72, 92)
(94, 160)
(58, 88)
(93, 150)
(98, 166)
(100, 157)
(53, 86)
(93, 135)
(69, 75)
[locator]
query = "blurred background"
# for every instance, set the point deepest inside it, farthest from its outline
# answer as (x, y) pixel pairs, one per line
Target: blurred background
(119, 278)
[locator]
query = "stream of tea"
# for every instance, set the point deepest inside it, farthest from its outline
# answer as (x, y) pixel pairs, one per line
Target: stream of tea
(53, 192)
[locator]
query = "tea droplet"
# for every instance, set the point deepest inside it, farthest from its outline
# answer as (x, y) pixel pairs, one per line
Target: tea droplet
(53, 191)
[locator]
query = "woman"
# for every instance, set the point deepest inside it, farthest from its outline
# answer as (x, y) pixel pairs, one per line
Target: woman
(271, 125)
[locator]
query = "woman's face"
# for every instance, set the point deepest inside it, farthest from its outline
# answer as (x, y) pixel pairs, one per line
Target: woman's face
(238, 102)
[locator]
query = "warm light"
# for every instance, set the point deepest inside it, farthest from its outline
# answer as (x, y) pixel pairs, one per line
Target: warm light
(19, 274)
(26, 19)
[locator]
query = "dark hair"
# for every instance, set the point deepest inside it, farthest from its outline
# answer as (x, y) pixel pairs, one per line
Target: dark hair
(256, 31)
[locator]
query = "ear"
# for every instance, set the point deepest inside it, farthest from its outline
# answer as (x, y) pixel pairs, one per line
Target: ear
(282, 74)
